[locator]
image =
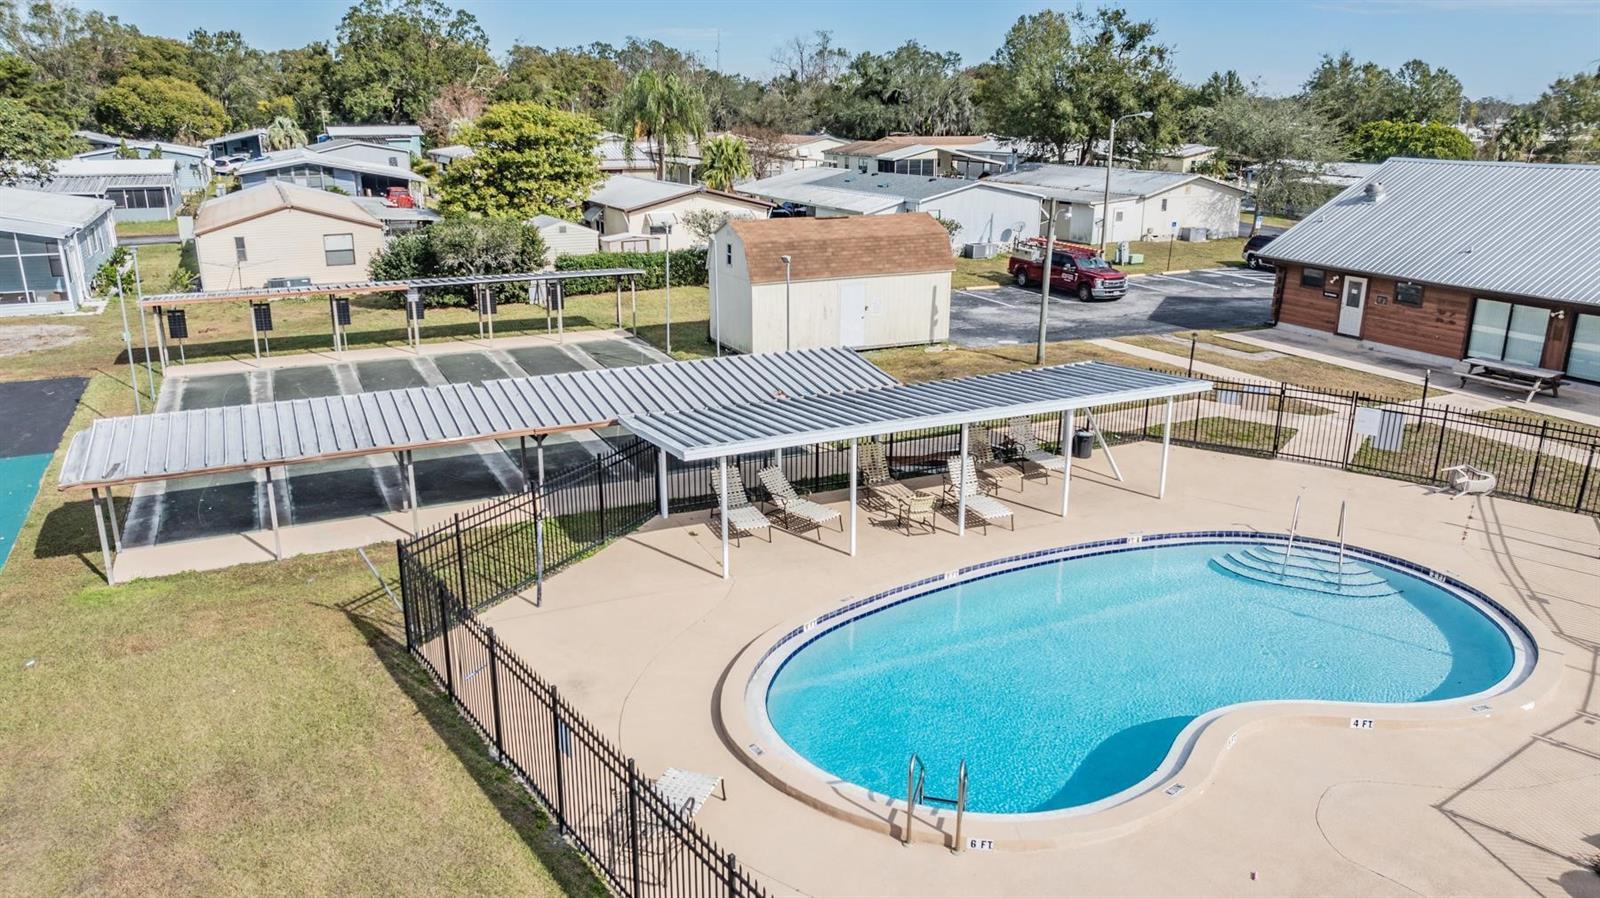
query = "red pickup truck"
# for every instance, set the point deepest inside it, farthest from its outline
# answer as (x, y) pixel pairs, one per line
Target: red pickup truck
(1075, 268)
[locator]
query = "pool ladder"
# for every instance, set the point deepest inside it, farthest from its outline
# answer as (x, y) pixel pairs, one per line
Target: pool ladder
(917, 793)
(1294, 525)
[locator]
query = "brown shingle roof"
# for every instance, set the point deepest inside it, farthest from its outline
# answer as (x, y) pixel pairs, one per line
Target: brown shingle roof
(856, 246)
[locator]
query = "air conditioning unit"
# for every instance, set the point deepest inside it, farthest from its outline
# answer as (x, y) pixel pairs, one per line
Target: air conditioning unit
(981, 250)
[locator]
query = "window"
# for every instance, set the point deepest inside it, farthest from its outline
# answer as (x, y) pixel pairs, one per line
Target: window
(1583, 360)
(730, 254)
(1163, 205)
(339, 249)
(1313, 277)
(1119, 215)
(1407, 293)
(885, 167)
(31, 270)
(394, 161)
(1509, 332)
(55, 266)
(238, 250)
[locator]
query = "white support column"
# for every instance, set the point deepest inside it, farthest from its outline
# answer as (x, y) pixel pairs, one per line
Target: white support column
(272, 516)
(561, 312)
(961, 486)
(619, 302)
(1166, 449)
(111, 513)
(411, 491)
(538, 458)
(722, 501)
(633, 300)
(661, 478)
(853, 442)
(106, 558)
(1105, 447)
(777, 459)
(1066, 457)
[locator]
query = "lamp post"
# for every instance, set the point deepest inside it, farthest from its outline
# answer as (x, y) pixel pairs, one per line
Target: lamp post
(1111, 160)
(668, 244)
(787, 345)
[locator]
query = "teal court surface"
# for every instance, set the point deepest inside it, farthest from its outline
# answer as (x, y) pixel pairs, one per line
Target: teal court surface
(36, 413)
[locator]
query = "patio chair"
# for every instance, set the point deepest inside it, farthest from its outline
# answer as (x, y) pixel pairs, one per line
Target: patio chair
(990, 469)
(1027, 443)
(687, 791)
(1469, 480)
(742, 516)
(960, 477)
(794, 506)
(878, 486)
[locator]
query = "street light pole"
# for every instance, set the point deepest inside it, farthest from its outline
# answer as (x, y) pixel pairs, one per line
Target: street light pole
(1044, 280)
(1111, 160)
(668, 244)
(787, 317)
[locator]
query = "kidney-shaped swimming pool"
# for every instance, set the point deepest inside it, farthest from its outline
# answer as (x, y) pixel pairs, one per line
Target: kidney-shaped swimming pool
(1066, 683)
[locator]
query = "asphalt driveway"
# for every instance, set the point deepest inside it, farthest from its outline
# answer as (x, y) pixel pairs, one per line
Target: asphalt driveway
(1155, 304)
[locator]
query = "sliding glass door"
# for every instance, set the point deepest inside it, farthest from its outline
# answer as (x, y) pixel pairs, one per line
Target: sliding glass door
(1583, 362)
(1508, 332)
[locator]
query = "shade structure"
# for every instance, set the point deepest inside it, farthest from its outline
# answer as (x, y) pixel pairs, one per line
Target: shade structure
(356, 288)
(718, 431)
(153, 447)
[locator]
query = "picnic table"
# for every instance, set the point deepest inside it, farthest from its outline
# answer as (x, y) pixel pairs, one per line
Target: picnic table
(1509, 375)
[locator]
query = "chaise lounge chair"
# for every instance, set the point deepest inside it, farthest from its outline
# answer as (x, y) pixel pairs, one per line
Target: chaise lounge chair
(742, 516)
(960, 477)
(794, 506)
(1027, 443)
(1470, 480)
(686, 791)
(878, 486)
(991, 470)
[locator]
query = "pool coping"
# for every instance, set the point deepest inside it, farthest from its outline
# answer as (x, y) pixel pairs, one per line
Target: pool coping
(1189, 764)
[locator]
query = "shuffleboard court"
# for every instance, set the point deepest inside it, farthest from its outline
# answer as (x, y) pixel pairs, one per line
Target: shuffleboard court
(36, 413)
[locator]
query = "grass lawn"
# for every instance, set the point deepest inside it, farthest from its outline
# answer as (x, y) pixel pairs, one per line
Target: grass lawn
(1271, 221)
(1526, 414)
(1250, 436)
(147, 228)
(1557, 481)
(1293, 369)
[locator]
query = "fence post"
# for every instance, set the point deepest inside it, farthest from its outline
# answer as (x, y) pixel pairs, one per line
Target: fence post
(494, 692)
(633, 824)
(1583, 485)
(1350, 437)
(600, 487)
(561, 790)
(1277, 424)
(461, 562)
(1538, 453)
(1192, 340)
(444, 632)
(1144, 429)
(733, 876)
(1444, 429)
(405, 594)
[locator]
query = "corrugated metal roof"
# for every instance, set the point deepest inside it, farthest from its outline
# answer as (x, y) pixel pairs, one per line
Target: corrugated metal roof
(714, 432)
(302, 156)
(1500, 227)
(1075, 181)
(206, 441)
(42, 214)
(374, 130)
(355, 288)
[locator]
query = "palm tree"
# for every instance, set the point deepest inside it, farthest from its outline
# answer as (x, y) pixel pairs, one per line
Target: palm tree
(284, 134)
(724, 161)
(663, 110)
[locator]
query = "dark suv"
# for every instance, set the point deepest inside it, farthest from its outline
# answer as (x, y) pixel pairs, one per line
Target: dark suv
(1253, 248)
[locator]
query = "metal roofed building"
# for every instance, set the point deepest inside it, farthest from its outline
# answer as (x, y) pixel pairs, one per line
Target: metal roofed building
(1144, 203)
(1444, 259)
(251, 142)
(308, 168)
(139, 189)
(51, 245)
(192, 171)
(279, 232)
(628, 210)
(987, 212)
(401, 137)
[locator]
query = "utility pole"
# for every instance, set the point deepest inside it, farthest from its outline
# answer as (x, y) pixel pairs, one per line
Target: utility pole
(1111, 161)
(1044, 280)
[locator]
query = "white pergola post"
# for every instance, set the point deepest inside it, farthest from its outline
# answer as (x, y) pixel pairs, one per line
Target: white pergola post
(853, 442)
(272, 517)
(538, 458)
(1105, 447)
(411, 492)
(661, 479)
(1066, 457)
(722, 502)
(111, 513)
(1166, 449)
(961, 486)
(633, 301)
(100, 525)
(561, 313)
(619, 302)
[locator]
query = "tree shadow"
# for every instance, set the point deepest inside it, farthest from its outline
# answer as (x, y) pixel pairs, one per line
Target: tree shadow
(377, 621)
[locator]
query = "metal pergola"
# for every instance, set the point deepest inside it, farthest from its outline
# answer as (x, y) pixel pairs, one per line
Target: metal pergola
(721, 432)
(134, 449)
(545, 288)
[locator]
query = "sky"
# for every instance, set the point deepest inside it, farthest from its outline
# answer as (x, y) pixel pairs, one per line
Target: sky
(1504, 48)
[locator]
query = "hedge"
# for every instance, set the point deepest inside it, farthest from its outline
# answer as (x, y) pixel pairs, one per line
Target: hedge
(688, 270)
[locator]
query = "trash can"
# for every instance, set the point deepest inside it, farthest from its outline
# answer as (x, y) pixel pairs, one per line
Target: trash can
(1083, 444)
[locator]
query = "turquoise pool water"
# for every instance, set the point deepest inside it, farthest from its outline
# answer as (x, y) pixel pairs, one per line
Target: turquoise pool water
(1068, 682)
(19, 483)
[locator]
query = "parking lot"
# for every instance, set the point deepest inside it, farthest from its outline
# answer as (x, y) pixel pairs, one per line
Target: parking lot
(1154, 304)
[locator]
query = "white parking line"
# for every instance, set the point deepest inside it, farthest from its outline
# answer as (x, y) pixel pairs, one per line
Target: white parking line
(989, 299)
(1173, 277)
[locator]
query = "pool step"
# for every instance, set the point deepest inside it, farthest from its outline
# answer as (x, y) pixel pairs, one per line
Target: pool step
(1318, 574)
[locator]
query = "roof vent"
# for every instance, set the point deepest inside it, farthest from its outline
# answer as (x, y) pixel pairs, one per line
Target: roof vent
(1375, 192)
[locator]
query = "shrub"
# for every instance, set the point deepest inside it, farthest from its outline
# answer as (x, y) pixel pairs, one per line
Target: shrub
(461, 246)
(688, 270)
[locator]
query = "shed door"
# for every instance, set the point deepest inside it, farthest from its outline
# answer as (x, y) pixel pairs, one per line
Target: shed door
(1352, 306)
(852, 314)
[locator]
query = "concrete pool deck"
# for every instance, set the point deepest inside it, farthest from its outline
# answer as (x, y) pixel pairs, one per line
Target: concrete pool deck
(642, 639)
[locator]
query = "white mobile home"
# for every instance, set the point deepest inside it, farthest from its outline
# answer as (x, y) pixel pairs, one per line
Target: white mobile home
(565, 238)
(859, 282)
(623, 208)
(51, 246)
(1144, 204)
(140, 189)
(282, 231)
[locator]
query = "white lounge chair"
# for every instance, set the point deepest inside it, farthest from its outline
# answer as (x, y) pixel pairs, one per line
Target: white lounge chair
(980, 451)
(962, 478)
(794, 506)
(687, 791)
(1470, 480)
(742, 516)
(1027, 443)
(878, 486)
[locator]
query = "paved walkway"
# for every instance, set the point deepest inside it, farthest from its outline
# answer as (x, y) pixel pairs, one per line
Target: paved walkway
(641, 637)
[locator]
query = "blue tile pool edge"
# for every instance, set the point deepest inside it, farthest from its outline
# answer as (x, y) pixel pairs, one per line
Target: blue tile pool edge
(771, 662)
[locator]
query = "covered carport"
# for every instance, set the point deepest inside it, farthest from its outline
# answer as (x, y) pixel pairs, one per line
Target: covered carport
(722, 432)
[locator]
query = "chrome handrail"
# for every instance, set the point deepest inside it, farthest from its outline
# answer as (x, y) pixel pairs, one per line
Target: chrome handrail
(1340, 573)
(961, 801)
(1294, 524)
(916, 780)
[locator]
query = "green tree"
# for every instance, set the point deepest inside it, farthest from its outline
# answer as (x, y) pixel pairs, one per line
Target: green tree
(527, 160)
(393, 56)
(123, 151)
(304, 77)
(232, 71)
(1427, 94)
(577, 79)
(1027, 89)
(911, 90)
(703, 222)
(460, 246)
(662, 109)
(162, 108)
(284, 134)
(30, 143)
(1285, 142)
(1377, 141)
(1352, 94)
(1518, 138)
(1570, 109)
(724, 161)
